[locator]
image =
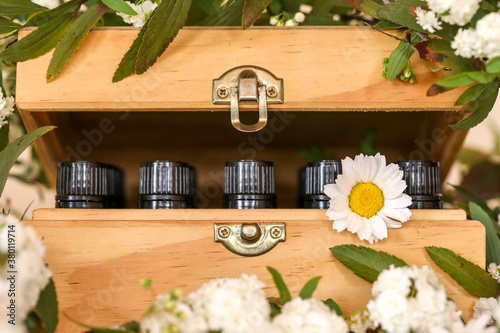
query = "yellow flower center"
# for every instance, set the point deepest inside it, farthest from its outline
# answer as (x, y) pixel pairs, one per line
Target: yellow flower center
(366, 199)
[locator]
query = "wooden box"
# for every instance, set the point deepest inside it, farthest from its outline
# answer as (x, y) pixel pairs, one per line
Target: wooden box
(334, 93)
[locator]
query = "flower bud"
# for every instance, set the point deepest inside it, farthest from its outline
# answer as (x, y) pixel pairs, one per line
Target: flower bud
(408, 72)
(291, 23)
(273, 20)
(299, 17)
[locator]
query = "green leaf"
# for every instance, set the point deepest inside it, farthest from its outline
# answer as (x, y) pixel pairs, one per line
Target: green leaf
(47, 307)
(365, 262)
(333, 306)
(19, 7)
(492, 240)
(4, 136)
(120, 6)
(384, 24)
(470, 276)
(400, 56)
(131, 326)
(209, 7)
(275, 308)
(74, 37)
(228, 16)
(309, 288)
(479, 108)
(252, 10)
(285, 295)
(482, 77)
(456, 80)
(470, 94)
(9, 155)
(371, 8)
(493, 65)
(399, 13)
(7, 25)
(94, 329)
(44, 17)
(127, 64)
(164, 24)
(40, 41)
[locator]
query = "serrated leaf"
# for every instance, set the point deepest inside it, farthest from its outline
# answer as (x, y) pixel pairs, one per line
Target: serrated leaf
(309, 288)
(9, 155)
(47, 308)
(493, 65)
(229, 16)
(456, 80)
(209, 7)
(164, 24)
(39, 41)
(252, 10)
(285, 295)
(470, 276)
(44, 17)
(127, 64)
(365, 262)
(400, 56)
(333, 306)
(470, 94)
(399, 13)
(73, 38)
(7, 25)
(19, 7)
(479, 108)
(492, 240)
(120, 6)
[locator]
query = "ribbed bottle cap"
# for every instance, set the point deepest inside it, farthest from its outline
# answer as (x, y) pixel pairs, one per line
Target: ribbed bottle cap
(166, 184)
(319, 174)
(249, 184)
(423, 179)
(82, 184)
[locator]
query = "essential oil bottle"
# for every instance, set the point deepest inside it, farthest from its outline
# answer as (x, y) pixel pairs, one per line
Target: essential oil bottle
(166, 185)
(249, 184)
(424, 183)
(85, 184)
(317, 175)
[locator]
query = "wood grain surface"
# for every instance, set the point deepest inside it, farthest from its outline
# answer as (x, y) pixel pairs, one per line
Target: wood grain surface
(98, 263)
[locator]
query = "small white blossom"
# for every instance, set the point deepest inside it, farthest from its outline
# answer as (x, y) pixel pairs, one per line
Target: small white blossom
(360, 323)
(462, 11)
(467, 44)
(32, 272)
(336, 17)
(488, 30)
(308, 316)
(299, 17)
(291, 23)
(6, 108)
(50, 4)
(410, 299)
(428, 20)
(486, 306)
(143, 11)
(494, 271)
(439, 6)
(273, 20)
(231, 305)
(305, 8)
(476, 325)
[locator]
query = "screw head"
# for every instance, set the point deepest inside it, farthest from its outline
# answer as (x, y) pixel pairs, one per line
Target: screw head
(250, 232)
(272, 92)
(276, 232)
(222, 92)
(224, 232)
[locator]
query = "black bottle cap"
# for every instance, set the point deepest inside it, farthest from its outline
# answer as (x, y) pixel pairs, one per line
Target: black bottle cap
(84, 184)
(424, 183)
(301, 188)
(166, 184)
(249, 184)
(319, 174)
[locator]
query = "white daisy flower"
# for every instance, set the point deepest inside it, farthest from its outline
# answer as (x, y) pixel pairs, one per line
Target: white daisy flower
(367, 198)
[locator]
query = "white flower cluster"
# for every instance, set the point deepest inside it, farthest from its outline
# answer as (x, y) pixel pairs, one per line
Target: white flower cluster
(283, 19)
(32, 273)
(457, 12)
(481, 42)
(475, 325)
(494, 271)
(360, 323)
(6, 108)
(143, 11)
(307, 316)
(410, 299)
(486, 306)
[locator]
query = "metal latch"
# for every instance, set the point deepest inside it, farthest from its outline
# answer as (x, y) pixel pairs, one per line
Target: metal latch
(249, 239)
(248, 84)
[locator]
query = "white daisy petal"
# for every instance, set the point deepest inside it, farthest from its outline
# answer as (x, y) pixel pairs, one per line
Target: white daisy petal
(395, 214)
(355, 222)
(347, 164)
(334, 215)
(396, 190)
(402, 201)
(340, 225)
(385, 174)
(389, 222)
(332, 190)
(345, 184)
(379, 227)
(340, 203)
